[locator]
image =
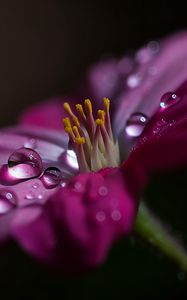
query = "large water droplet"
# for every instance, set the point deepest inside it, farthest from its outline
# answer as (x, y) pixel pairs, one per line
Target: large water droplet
(169, 99)
(8, 201)
(25, 163)
(69, 161)
(135, 124)
(51, 178)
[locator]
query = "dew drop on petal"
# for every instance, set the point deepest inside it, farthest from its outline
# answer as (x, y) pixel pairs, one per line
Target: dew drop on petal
(169, 99)
(103, 191)
(40, 196)
(24, 163)
(135, 124)
(30, 143)
(69, 160)
(51, 177)
(100, 216)
(116, 215)
(133, 80)
(8, 201)
(35, 185)
(63, 183)
(30, 195)
(78, 186)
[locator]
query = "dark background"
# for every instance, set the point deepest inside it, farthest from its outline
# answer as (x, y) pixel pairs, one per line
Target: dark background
(45, 48)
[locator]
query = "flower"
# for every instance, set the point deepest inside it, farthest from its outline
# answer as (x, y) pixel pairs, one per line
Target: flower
(69, 219)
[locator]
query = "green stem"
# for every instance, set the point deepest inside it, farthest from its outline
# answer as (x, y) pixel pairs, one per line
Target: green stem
(148, 227)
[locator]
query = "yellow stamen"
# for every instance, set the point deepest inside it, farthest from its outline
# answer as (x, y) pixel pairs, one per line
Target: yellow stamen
(80, 141)
(68, 109)
(76, 131)
(88, 106)
(101, 114)
(67, 122)
(78, 138)
(76, 121)
(69, 130)
(99, 122)
(80, 110)
(72, 115)
(106, 102)
(91, 139)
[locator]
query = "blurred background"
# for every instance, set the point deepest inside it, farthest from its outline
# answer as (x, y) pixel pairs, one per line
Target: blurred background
(45, 48)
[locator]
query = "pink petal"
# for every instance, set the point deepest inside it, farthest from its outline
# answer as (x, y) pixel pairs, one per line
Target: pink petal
(163, 146)
(48, 114)
(164, 72)
(81, 222)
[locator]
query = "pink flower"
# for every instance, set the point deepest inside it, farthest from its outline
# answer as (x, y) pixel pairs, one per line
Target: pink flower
(70, 220)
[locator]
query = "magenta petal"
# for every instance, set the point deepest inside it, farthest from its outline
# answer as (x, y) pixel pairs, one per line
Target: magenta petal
(163, 146)
(48, 114)
(164, 72)
(81, 221)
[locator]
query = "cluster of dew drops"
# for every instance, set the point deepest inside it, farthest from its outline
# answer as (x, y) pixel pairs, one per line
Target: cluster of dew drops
(137, 121)
(24, 164)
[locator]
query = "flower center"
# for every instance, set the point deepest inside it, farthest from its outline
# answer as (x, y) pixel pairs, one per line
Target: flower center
(92, 139)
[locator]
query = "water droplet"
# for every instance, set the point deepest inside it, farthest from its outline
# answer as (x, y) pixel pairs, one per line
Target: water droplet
(100, 216)
(8, 201)
(69, 161)
(78, 186)
(135, 124)
(30, 195)
(116, 215)
(36, 185)
(169, 99)
(63, 183)
(134, 80)
(24, 163)
(30, 143)
(103, 191)
(51, 177)
(40, 196)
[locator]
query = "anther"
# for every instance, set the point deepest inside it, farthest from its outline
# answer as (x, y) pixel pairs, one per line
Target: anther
(88, 106)
(106, 102)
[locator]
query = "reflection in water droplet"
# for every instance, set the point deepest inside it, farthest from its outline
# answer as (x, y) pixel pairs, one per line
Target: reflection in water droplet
(135, 124)
(169, 99)
(30, 143)
(69, 161)
(100, 216)
(134, 80)
(8, 201)
(51, 177)
(24, 163)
